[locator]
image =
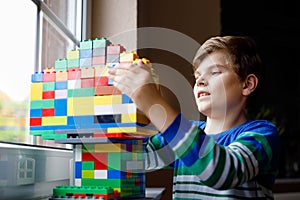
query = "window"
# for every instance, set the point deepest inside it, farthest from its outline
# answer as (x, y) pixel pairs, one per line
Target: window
(36, 33)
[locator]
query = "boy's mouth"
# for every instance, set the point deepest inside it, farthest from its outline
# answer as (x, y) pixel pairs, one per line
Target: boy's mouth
(202, 94)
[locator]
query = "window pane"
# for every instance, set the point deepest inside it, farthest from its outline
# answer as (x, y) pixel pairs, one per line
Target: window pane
(54, 45)
(65, 11)
(18, 22)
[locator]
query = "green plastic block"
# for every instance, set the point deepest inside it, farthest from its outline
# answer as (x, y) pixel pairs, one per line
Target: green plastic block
(63, 191)
(61, 64)
(87, 165)
(61, 136)
(41, 132)
(81, 92)
(73, 63)
(114, 161)
(100, 43)
(88, 148)
(86, 44)
(48, 103)
(48, 86)
(36, 104)
(48, 136)
(114, 183)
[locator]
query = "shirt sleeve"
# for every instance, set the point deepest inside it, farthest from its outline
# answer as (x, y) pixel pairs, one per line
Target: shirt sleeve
(250, 155)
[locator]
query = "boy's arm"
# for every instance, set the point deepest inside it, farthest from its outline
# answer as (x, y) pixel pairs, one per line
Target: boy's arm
(223, 167)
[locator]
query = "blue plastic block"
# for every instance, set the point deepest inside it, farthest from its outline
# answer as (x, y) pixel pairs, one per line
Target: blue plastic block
(85, 62)
(115, 174)
(58, 127)
(37, 77)
(110, 82)
(126, 99)
(61, 85)
(78, 169)
(86, 53)
(60, 107)
(36, 112)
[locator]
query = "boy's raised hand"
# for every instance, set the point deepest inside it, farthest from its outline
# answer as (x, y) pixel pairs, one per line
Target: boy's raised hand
(135, 80)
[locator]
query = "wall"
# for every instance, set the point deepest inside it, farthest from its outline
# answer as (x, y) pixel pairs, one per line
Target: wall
(116, 20)
(169, 34)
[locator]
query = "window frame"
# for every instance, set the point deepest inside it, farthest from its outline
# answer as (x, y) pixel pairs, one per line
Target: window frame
(80, 30)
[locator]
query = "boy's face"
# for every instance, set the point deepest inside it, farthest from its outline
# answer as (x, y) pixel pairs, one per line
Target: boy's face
(218, 90)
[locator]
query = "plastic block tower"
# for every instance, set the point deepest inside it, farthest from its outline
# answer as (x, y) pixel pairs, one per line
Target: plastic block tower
(74, 102)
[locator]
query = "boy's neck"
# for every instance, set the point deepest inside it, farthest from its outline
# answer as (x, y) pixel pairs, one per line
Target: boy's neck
(215, 126)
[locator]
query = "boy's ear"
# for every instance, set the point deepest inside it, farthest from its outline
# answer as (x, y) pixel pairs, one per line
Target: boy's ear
(250, 84)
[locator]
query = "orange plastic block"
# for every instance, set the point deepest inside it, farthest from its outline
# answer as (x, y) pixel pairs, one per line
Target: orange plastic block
(106, 90)
(61, 75)
(88, 72)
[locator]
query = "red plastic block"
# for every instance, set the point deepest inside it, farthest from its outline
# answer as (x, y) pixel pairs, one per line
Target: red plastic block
(47, 112)
(49, 95)
(100, 161)
(74, 73)
(115, 49)
(101, 81)
(49, 77)
(35, 121)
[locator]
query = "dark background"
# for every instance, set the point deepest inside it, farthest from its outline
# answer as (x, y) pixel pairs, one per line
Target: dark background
(275, 26)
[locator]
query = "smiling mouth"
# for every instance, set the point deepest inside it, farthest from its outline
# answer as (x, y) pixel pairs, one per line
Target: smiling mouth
(202, 94)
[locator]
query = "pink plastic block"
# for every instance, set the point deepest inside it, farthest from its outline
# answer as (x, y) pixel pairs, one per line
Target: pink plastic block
(115, 49)
(87, 82)
(99, 60)
(74, 73)
(49, 77)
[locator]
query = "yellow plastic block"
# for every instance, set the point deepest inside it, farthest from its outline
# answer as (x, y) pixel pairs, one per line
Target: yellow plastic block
(140, 165)
(108, 99)
(134, 156)
(87, 173)
(128, 56)
(80, 106)
(73, 54)
(122, 129)
(112, 147)
(101, 71)
(57, 120)
(61, 75)
(36, 91)
(128, 118)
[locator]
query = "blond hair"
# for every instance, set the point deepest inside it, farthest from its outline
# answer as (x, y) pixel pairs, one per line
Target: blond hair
(241, 50)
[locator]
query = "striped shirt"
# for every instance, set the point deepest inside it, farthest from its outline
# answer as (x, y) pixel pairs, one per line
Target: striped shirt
(239, 163)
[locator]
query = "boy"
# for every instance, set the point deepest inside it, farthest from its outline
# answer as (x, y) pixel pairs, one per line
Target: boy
(226, 157)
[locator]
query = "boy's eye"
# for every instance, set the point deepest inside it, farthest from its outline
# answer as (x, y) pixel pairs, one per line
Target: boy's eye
(215, 72)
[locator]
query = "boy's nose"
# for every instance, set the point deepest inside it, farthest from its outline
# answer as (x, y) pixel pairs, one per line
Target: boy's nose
(201, 82)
